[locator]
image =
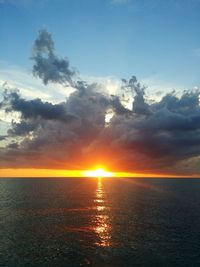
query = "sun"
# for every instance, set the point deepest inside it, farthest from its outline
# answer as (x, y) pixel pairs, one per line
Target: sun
(100, 172)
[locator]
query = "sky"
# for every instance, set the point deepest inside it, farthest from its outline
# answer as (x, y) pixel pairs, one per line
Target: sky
(151, 120)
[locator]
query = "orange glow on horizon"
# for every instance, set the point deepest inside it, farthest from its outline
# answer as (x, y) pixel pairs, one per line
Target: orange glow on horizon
(99, 172)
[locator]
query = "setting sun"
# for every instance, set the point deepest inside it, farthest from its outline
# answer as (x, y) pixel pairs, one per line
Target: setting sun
(100, 172)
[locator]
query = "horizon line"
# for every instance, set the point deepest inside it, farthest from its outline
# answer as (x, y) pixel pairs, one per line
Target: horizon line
(62, 173)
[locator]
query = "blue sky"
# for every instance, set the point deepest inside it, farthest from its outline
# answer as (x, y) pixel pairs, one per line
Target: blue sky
(150, 39)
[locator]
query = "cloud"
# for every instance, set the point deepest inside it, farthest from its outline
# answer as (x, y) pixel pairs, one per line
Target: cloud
(150, 136)
(34, 108)
(2, 137)
(47, 65)
(30, 87)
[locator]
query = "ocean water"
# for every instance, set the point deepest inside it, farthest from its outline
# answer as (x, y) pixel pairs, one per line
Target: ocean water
(99, 222)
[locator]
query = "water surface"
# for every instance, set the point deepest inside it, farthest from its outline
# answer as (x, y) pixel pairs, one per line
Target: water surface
(99, 222)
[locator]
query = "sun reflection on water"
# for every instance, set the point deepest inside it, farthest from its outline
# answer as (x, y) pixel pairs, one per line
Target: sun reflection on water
(102, 223)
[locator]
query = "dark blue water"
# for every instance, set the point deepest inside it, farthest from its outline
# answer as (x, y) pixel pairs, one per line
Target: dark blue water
(99, 222)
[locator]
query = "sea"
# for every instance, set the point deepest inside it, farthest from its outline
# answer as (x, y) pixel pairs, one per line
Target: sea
(109, 222)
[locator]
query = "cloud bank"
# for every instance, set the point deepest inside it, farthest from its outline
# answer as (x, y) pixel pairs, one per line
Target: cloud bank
(153, 137)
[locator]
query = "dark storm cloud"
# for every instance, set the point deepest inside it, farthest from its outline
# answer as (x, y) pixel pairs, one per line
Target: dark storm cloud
(150, 137)
(168, 133)
(48, 66)
(2, 137)
(118, 107)
(138, 91)
(22, 128)
(13, 145)
(32, 109)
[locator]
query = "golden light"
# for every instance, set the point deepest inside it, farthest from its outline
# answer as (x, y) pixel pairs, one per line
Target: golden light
(100, 172)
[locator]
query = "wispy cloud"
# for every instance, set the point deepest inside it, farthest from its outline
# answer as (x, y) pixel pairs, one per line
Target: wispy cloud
(30, 86)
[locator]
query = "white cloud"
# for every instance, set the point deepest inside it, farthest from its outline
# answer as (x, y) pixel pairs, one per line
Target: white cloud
(29, 86)
(157, 86)
(15, 77)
